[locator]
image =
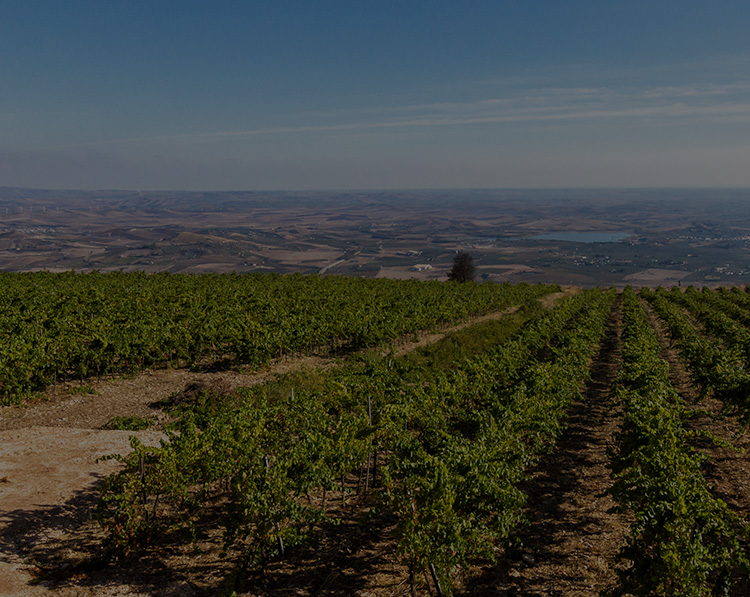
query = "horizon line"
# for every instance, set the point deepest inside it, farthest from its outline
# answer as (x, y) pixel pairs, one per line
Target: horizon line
(391, 189)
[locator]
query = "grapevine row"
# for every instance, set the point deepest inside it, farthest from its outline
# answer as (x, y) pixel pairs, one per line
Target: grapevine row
(684, 541)
(719, 317)
(713, 368)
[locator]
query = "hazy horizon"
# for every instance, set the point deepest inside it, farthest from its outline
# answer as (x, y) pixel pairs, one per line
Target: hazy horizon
(447, 190)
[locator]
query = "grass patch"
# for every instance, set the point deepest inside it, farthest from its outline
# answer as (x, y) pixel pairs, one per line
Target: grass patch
(456, 347)
(128, 423)
(83, 390)
(308, 379)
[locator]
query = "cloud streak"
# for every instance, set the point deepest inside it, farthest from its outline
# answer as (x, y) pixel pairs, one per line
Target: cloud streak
(655, 106)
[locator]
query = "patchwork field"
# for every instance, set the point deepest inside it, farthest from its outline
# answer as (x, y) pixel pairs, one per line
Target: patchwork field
(658, 236)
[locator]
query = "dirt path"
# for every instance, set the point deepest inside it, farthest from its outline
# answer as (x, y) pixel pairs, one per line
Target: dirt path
(49, 450)
(47, 478)
(571, 540)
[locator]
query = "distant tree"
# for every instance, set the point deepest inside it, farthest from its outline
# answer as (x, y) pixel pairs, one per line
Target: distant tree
(463, 269)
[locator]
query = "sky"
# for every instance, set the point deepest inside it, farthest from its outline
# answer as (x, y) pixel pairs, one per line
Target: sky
(377, 94)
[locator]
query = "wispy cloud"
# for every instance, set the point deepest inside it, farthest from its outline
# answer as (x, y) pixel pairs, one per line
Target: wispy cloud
(658, 105)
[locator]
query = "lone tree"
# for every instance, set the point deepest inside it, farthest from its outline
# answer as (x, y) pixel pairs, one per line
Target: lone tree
(463, 269)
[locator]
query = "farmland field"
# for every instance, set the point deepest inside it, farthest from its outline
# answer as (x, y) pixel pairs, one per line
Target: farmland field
(307, 435)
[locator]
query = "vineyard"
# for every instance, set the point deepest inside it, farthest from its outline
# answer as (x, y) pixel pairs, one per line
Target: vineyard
(544, 442)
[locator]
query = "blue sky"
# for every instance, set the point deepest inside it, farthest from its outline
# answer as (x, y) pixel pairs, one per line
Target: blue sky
(368, 95)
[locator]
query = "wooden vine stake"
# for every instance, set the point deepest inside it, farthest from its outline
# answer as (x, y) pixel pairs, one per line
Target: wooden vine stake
(278, 528)
(436, 580)
(369, 454)
(431, 566)
(142, 475)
